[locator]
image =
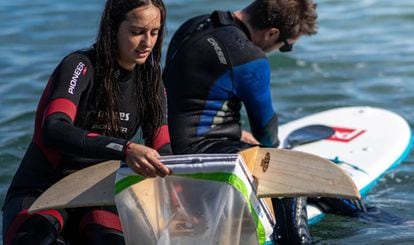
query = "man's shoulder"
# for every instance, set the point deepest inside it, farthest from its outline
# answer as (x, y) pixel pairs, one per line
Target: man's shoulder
(237, 44)
(189, 26)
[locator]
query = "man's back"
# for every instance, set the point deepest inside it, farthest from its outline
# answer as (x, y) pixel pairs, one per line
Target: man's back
(207, 77)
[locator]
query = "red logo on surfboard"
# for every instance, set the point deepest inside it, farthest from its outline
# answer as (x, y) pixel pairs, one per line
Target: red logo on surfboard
(345, 134)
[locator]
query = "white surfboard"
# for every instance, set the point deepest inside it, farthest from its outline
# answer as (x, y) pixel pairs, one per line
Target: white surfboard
(367, 142)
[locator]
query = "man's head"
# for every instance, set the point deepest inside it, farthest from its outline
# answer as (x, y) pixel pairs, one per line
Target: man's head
(279, 23)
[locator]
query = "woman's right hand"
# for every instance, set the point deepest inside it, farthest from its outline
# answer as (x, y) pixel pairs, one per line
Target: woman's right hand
(144, 161)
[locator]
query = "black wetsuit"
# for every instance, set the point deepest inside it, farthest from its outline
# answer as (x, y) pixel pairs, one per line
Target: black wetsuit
(67, 138)
(212, 68)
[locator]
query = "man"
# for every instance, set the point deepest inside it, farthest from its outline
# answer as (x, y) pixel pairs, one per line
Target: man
(215, 63)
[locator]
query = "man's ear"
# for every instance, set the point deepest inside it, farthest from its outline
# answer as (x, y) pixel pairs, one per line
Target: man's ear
(272, 34)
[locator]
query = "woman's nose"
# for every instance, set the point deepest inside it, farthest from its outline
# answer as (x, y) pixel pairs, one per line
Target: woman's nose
(147, 40)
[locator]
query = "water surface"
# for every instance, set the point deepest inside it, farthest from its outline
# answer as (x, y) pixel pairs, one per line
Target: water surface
(362, 55)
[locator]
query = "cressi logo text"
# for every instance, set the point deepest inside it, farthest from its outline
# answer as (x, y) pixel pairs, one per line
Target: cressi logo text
(218, 50)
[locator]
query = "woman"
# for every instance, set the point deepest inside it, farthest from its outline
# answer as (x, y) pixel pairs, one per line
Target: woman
(94, 103)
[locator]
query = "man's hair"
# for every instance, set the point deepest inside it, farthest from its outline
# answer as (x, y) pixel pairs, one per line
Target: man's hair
(291, 17)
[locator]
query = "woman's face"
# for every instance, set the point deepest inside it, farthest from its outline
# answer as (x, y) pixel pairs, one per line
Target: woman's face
(137, 35)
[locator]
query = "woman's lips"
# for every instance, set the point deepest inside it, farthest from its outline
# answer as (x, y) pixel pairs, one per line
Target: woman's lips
(143, 54)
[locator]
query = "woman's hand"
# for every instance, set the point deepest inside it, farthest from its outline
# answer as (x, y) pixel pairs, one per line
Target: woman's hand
(144, 161)
(248, 138)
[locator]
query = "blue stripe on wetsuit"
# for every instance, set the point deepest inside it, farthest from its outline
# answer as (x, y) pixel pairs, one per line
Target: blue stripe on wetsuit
(252, 87)
(219, 94)
(253, 81)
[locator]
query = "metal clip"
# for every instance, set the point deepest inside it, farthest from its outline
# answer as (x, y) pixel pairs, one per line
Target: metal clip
(265, 162)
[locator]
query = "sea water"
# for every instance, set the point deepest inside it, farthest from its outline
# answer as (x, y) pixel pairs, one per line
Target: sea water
(363, 54)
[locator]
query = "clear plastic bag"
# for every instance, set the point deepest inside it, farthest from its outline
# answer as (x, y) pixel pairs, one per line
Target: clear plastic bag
(208, 200)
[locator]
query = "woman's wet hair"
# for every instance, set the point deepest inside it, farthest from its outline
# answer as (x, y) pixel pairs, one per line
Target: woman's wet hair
(292, 17)
(149, 73)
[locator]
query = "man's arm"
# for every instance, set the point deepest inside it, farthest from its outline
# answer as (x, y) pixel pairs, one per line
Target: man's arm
(252, 84)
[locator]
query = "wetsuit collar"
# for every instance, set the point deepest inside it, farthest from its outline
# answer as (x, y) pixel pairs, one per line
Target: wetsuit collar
(123, 75)
(227, 18)
(242, 26)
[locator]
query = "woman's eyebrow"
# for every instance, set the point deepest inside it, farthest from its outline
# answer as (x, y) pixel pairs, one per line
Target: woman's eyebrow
(134, 26)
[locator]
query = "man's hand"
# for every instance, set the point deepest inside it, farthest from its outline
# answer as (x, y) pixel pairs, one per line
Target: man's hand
(248, 138)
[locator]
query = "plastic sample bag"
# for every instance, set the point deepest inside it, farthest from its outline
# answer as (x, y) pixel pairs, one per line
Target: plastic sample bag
(209, 199)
